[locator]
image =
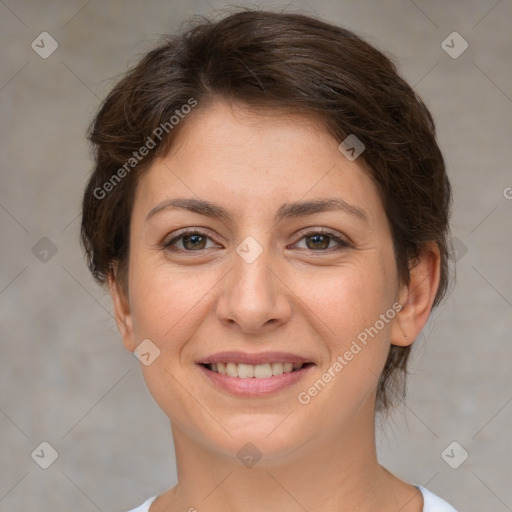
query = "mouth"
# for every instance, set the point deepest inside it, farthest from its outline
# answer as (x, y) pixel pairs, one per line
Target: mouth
(253, 375)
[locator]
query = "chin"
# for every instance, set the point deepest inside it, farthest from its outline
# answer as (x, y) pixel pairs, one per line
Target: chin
(265, 437)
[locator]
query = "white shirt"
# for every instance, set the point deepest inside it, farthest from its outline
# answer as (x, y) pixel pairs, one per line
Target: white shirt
(432, 503)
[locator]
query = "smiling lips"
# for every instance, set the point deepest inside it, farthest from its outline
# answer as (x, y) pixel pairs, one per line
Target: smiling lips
(254, 374)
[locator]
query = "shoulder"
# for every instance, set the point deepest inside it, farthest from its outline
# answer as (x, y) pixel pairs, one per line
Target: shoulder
(144, 507)
(433, 503)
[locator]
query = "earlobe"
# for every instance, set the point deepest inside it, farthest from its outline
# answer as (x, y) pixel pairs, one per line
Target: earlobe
(417, 297)
(122, 313)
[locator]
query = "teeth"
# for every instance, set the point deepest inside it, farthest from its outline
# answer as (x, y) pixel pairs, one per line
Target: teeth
(245, 371)
(232, 370)
(258, 371)
(277, 368)
(263, 371)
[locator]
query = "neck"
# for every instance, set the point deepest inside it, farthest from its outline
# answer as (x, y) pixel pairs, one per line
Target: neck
(335, 472)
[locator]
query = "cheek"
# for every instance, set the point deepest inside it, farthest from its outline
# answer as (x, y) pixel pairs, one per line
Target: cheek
(349, 300)
(168, 308)
(356, 305)
(169, 303)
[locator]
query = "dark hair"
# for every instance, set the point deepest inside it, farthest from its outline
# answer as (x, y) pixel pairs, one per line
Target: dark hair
(287, 63)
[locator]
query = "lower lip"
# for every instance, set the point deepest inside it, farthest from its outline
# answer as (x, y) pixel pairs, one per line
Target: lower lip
(253, 386)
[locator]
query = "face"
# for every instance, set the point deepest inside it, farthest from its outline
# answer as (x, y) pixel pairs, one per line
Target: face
(265, 283)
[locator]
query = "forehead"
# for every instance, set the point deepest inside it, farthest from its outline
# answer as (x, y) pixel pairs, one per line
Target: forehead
(255, 161)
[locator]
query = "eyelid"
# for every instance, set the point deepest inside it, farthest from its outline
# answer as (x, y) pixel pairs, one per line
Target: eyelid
(320, 230)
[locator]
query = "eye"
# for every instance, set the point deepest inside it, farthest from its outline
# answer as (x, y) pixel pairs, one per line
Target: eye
(196, 240)
(320, 240)
(192, 241)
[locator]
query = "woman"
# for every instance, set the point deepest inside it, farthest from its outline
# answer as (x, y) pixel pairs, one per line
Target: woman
(269, 209)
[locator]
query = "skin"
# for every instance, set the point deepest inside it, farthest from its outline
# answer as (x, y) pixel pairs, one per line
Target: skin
(295, 297)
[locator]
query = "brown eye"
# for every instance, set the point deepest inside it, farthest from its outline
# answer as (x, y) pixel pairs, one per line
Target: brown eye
(191, 241)
(318, 241)
(321, 240)
(194, 242)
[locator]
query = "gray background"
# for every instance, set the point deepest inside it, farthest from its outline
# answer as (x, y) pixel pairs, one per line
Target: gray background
(65, 377)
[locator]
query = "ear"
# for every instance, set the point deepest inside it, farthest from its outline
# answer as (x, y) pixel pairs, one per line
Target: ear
(417, 297)
(122, 312)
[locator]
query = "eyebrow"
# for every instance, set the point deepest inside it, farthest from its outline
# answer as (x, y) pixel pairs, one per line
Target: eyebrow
(286, 210)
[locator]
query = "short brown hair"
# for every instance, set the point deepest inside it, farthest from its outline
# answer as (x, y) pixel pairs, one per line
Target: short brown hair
(284, 62)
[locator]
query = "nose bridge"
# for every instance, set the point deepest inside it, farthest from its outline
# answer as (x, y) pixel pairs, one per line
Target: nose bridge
(251, 266)
(253, 296)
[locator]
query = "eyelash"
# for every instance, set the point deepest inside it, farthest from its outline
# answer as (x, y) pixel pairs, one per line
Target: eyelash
(343, 244)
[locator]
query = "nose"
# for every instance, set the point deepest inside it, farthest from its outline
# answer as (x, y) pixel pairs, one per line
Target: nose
(254, 298)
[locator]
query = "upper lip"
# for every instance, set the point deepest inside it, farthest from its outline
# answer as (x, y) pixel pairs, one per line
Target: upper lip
(255, 358)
